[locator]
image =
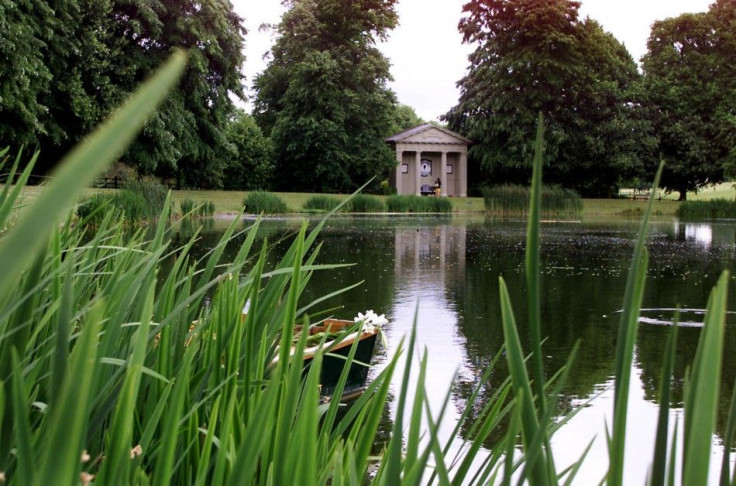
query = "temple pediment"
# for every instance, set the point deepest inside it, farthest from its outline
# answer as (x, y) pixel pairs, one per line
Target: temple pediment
(429, 134)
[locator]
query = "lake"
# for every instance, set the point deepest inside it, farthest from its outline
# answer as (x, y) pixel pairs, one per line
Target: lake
(444, 270)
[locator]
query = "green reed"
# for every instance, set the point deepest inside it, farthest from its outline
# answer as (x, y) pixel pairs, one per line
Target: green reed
(321, 203)
(410, 203)
(364, 203)
(513, 201)
(713, 209)
(264, 202)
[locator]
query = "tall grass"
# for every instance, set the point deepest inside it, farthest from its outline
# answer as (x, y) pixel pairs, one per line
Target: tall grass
(713, 209)
(512, 200)
(364, 203)
(321, 203)
(138, 201)
(264, 202)
(410, 203)
(190, 208)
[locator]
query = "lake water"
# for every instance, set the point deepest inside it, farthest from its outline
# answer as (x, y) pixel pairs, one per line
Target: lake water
(444, 271)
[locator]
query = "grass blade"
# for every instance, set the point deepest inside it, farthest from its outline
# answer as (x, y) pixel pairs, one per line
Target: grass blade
(701, 406)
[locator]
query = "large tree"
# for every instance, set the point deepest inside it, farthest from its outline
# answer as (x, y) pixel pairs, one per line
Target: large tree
(323, 99)
(537, 56)
(67, 63)
(690, 78)
(252, 168)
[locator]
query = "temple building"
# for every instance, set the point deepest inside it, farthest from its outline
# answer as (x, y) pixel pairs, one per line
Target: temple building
(429, 156)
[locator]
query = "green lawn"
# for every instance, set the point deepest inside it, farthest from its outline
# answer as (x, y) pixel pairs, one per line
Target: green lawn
(231, 201)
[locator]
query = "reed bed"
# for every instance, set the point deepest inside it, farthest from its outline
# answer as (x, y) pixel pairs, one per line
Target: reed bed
(511, 200)
(189, 208)
(364, 203)
(410, 203)
(137, 202)
(713, 209)
(264, 202)
(321, 203)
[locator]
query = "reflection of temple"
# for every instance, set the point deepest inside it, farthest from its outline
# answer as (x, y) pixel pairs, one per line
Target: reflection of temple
(431, 251)
(707, 234)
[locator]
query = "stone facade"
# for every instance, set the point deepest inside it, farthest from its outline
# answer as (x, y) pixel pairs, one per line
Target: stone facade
(427, 153)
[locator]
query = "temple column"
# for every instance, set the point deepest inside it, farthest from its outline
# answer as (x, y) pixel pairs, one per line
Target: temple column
(397, 171)
(418, 173)
(463, 174)
(443, 174)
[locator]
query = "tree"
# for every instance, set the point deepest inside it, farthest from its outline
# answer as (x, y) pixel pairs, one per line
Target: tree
(323, 98)
(404, 118)
(691, 82)
(534, 57)
(252, 168)
(23, 74)
(77, 59)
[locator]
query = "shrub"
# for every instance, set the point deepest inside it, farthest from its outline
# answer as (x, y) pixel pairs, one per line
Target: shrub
(714, 209)
(410, 203)
(513, 200)
(363, 203)
(321, 203)
(257, 202)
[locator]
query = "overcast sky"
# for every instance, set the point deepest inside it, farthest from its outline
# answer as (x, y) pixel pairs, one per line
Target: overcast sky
(425, 50)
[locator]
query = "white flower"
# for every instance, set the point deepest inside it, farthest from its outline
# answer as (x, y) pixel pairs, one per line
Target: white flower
(370, 320)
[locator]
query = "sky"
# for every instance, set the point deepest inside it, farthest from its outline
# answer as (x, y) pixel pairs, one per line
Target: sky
(426, 51)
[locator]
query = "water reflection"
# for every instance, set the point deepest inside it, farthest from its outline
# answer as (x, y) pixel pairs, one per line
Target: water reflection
(445, 272)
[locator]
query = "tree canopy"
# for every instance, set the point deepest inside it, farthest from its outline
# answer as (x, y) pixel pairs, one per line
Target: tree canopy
(690, 78)
(323, 98)
(68, 62)
(534, 57)
(252, 168)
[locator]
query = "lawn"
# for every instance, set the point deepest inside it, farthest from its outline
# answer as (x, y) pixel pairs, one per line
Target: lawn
(231, 201)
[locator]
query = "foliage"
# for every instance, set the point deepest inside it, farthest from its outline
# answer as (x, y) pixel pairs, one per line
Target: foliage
(533, 57)
(67, 63)
(252, 168)
(321, 203)
(410, 203)
(512, 200)
(713, 209)
(689, 73)
(323, 98)
(264, 202)
(404, 118)
(364, 203)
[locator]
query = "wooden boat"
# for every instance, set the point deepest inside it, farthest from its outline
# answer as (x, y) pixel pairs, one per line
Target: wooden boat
(338, 336)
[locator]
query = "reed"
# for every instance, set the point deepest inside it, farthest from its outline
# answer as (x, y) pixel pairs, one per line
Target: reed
(410, 203)
(264, 202)
(321, 203)
(364, 203)
(189, 208)
(713, 209)
(512, 201)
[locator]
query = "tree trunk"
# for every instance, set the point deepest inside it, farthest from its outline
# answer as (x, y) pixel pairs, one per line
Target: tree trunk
(683, 194)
